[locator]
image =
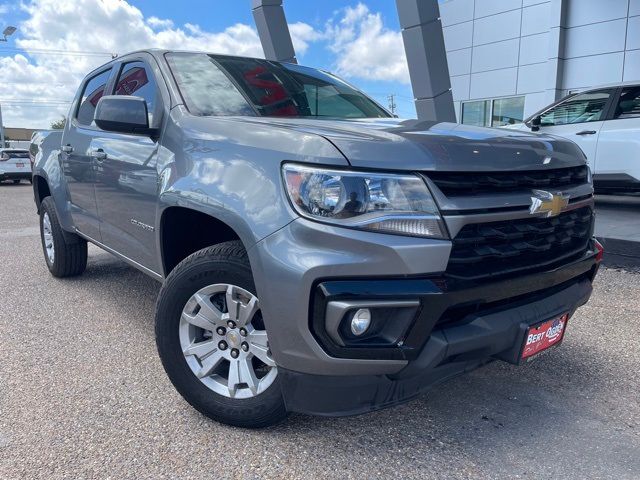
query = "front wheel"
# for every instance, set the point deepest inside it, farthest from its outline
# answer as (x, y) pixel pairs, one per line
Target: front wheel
(213, 342)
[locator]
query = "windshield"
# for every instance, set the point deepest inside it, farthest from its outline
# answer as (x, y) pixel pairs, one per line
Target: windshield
(219, 85)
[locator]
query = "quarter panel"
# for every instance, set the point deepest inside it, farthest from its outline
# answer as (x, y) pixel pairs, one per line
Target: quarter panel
(48, 166)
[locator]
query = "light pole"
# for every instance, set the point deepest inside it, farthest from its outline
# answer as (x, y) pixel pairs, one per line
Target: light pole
(7, 32)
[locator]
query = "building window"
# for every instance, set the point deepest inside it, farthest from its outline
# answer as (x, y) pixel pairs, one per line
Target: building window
(495, 113)
(507, 111)
(476, 113)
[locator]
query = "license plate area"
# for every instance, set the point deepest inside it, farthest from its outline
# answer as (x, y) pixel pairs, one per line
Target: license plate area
(20, 165)
(543, 335)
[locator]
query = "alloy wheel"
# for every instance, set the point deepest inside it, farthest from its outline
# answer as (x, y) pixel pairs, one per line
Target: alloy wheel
(224, 341)
(47, 234)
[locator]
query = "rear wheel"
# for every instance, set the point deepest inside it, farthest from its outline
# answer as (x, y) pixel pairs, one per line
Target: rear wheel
(65, 253)
(213, 342)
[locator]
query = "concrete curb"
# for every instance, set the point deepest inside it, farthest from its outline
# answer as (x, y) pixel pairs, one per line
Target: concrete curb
(620, 253)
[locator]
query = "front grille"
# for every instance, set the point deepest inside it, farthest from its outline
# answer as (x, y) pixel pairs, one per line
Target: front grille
(457, 184)
(502, 248)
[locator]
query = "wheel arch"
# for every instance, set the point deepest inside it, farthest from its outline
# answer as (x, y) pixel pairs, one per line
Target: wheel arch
(41, 190)
(185, 230)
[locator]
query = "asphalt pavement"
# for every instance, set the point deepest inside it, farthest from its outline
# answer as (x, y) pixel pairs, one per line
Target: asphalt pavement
(83, 394)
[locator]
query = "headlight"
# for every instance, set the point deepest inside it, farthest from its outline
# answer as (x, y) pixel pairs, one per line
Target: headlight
(400, 204)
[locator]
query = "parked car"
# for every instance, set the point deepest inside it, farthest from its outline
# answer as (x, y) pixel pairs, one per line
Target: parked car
(317, 255)
(605, 123)
(14, 165)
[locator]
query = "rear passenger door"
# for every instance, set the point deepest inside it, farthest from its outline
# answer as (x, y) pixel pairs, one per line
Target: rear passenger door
(126, 171)
(75, 156)
(618, 154)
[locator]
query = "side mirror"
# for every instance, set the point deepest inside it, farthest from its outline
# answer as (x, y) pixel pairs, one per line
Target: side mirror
(535, 123)
(122, 113)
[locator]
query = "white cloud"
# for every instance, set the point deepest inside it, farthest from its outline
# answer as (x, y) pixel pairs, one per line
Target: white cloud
(155, 22)
(301, 35)
(100, 26)
(365, 48)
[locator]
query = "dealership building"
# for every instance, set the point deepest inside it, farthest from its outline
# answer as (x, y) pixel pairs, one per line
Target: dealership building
(509, 58)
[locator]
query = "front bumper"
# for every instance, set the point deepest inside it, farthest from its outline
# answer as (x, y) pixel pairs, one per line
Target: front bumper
(453, 348)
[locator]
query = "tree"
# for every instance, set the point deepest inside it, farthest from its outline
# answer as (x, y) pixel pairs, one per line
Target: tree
(58, 124)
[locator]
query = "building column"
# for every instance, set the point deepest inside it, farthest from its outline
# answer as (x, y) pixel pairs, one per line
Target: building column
(273, 30)
(427, 59)
(555, 61)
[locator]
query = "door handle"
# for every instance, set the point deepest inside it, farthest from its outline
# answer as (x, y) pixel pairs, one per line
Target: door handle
(67, 148)
(587, 132)
(99, 154)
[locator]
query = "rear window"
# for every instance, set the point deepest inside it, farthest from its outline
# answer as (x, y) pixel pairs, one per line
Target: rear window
(15, 154)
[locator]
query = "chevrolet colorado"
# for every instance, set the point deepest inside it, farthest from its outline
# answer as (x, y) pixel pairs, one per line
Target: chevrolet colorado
(317, 255)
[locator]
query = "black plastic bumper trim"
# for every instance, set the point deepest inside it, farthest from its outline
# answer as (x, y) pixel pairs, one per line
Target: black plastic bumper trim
(450, 351)
(437, 295)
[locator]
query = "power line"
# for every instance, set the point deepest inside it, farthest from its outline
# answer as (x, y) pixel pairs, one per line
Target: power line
(52, 51)
(21, 100)
(41, 105)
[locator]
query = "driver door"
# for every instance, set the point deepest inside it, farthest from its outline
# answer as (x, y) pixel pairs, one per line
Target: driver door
(579, 118)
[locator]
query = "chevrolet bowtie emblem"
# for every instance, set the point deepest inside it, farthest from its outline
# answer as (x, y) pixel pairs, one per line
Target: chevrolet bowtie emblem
(548, 203)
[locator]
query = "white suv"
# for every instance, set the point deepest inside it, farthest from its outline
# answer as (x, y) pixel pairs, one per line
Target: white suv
(605, 122)
(14, 165)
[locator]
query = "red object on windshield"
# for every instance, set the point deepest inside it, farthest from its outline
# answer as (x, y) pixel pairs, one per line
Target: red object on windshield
(274, 91)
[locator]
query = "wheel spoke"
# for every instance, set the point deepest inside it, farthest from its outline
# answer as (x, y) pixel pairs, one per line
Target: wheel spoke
(209, 310)
(198, 320)
(248, 375)
(259, 346)
(234, 377)
(209, 364)
(201, 349)
(232, 304)
(247, 311)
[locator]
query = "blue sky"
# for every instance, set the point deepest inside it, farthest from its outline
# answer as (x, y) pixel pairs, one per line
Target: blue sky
(359, 40)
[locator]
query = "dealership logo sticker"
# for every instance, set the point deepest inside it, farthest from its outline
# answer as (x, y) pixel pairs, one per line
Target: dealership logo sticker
(544, 336)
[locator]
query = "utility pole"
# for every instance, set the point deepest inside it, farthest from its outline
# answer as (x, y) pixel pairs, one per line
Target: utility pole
(392, 103)
(1, 129)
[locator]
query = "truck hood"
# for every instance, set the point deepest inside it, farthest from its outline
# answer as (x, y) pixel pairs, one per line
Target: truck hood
(415, 145)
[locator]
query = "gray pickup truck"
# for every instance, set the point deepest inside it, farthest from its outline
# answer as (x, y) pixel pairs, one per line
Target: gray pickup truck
(317, 255)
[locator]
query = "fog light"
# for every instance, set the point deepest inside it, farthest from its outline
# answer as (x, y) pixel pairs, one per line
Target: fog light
(360, 321)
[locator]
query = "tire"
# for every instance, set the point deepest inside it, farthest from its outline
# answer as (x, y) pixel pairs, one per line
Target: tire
(212, 270)
(69, 256)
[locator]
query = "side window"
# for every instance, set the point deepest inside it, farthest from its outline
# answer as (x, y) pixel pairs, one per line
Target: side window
(628, 104)
(136, 80)
(93, 91)
(584, 107)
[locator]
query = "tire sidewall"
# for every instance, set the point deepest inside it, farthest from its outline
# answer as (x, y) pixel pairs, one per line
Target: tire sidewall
(179, 288)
